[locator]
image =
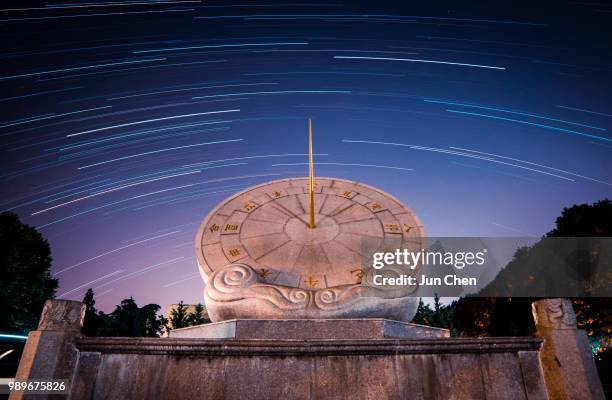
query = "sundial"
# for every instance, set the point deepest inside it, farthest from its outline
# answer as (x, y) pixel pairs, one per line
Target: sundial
(300, 248)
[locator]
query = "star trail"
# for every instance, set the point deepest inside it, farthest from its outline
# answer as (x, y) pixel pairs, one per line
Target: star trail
(125, 122)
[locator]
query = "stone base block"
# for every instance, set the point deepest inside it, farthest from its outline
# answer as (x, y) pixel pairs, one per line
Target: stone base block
(287, 329)
(372, 369)
(50, 352)
(569, 368)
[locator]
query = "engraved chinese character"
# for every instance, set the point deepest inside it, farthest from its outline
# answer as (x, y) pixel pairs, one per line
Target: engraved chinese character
(264, 272)
(249, 206)
(347, 194)
(359, 274)
(375, 206)
(277, 194)
(408, 228)
(392, 227)
(311, 282)
(234, 252)
(214, 228)
(231, 228)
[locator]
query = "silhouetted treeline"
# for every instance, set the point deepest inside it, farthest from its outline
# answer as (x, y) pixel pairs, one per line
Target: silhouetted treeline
(130, 320)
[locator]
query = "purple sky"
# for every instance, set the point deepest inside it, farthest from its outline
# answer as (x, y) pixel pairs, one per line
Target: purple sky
(121, 131)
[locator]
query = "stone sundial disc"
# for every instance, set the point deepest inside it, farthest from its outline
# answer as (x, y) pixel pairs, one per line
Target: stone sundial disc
(261, 237)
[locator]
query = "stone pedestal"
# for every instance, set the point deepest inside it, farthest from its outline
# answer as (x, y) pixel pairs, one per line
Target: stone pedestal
(294, 329)
(569, 369)
(270, 359)
(50, 351)
(376, 369)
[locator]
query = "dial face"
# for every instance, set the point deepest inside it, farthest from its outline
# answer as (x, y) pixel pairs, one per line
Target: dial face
(267, 228)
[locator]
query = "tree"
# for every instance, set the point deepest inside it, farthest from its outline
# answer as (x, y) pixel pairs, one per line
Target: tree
(126, 320)
(511, 316)
(440, 317)
(148, 323)
(503, 316)
(473, 315)
(197, 316)
(423, 314)
(179, 318)
(91, 321)
(122, 321)
(586, 220)
(25, 278)
(593, 314)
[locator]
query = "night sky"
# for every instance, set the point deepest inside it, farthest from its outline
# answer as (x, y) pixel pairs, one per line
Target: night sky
(124, 123)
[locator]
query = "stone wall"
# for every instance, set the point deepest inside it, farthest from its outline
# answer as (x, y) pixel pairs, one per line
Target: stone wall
(170, 368)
